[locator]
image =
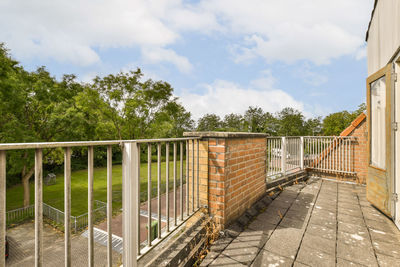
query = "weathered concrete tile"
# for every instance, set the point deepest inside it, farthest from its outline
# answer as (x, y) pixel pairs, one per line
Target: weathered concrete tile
(211, 256)
(321, 231)
(298, 214)
(354, 239)
(352, 212)
(299, 264)
(346, 263)
(220, 244)
(350, 219)
(312, 257)
(377, 235)
(272, 215)
(326, 214)
(352, 228)
(281, 203)
(326, 206)
(284, 241)
(387, 261)
(260, 225)
(288, 222)
(345, 205)
(386, 226)
(241, 252)
(361, 255)
(252, 238)
(386, 248)
(323, 222)
(267, 258)
(223, 260)
(375, 217)
(318, 243)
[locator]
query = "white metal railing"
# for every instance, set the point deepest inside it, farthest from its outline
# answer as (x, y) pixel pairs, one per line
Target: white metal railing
(182, 208)
(330, 154)
(56, 215)
(21, 214)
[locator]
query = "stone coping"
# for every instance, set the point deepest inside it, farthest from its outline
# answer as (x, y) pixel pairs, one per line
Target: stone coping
(224, 134)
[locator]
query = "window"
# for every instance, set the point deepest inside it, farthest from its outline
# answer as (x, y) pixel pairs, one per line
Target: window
(378, 126)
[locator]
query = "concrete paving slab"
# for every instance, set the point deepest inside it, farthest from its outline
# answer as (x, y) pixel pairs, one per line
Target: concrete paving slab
(389, 249)
(354, 239)
(267, 258)
(313, 257)
(319, 243)
(288, 222)
(350, 219)
(345, 263)
(377, 235)
(359, 255)
(240, 252)
(285, 241)
(265, 227)
(321, 231)
(353, 229)
(387, 261)
(317, 230)
(323, 222)
(223, 260)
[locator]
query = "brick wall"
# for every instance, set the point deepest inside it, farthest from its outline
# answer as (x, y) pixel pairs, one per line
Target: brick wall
(245, 174)
(236, 172)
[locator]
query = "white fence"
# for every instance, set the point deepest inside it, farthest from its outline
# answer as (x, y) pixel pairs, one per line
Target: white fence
(131, 223)
(330, 154)
(57, 216)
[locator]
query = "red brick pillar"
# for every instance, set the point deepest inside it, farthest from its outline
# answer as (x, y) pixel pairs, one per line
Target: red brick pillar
(236, 172)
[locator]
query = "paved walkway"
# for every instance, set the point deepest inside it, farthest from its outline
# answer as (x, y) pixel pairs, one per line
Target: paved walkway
(322, 223)
(22, 248)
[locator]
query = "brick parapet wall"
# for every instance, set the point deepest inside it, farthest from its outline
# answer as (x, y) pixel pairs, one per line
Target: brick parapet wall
(236, 174)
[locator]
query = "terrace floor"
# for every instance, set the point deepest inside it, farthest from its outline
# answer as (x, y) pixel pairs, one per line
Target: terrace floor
(320, 223)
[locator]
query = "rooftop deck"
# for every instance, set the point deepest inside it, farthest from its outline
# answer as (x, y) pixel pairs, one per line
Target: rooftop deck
(319, 223)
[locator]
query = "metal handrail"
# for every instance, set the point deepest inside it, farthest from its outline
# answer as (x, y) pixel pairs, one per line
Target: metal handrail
(15, 146)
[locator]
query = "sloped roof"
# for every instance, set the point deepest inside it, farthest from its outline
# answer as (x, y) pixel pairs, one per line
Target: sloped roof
(357, 121)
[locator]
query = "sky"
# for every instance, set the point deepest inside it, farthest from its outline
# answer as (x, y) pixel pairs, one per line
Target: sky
(220, 56)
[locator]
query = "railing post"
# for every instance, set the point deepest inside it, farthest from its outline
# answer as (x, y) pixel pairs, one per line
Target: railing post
(302, 152)
(129, 203)
(283, 156)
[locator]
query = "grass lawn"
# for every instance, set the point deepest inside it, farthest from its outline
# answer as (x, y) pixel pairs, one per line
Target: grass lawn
(53, 195)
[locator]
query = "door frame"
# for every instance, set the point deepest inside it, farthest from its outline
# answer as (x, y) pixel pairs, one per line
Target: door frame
(382, 203)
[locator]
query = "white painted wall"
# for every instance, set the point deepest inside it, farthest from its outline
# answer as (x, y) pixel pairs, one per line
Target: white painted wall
(384, 34)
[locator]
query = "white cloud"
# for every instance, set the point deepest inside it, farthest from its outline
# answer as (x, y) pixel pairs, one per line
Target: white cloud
(285, 30)
(156, 55)
(292, 30)
(310, 76)
(224, 97)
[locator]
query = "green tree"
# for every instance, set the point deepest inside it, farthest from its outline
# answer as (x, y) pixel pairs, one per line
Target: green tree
(313, 126)
(254, 119)
(271, 124)
(209, 122)
(291, 122)
(335, 123)
(132, 105)
(233, 123)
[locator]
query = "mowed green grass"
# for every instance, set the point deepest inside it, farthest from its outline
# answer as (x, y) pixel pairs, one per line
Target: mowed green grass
(53, 195)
